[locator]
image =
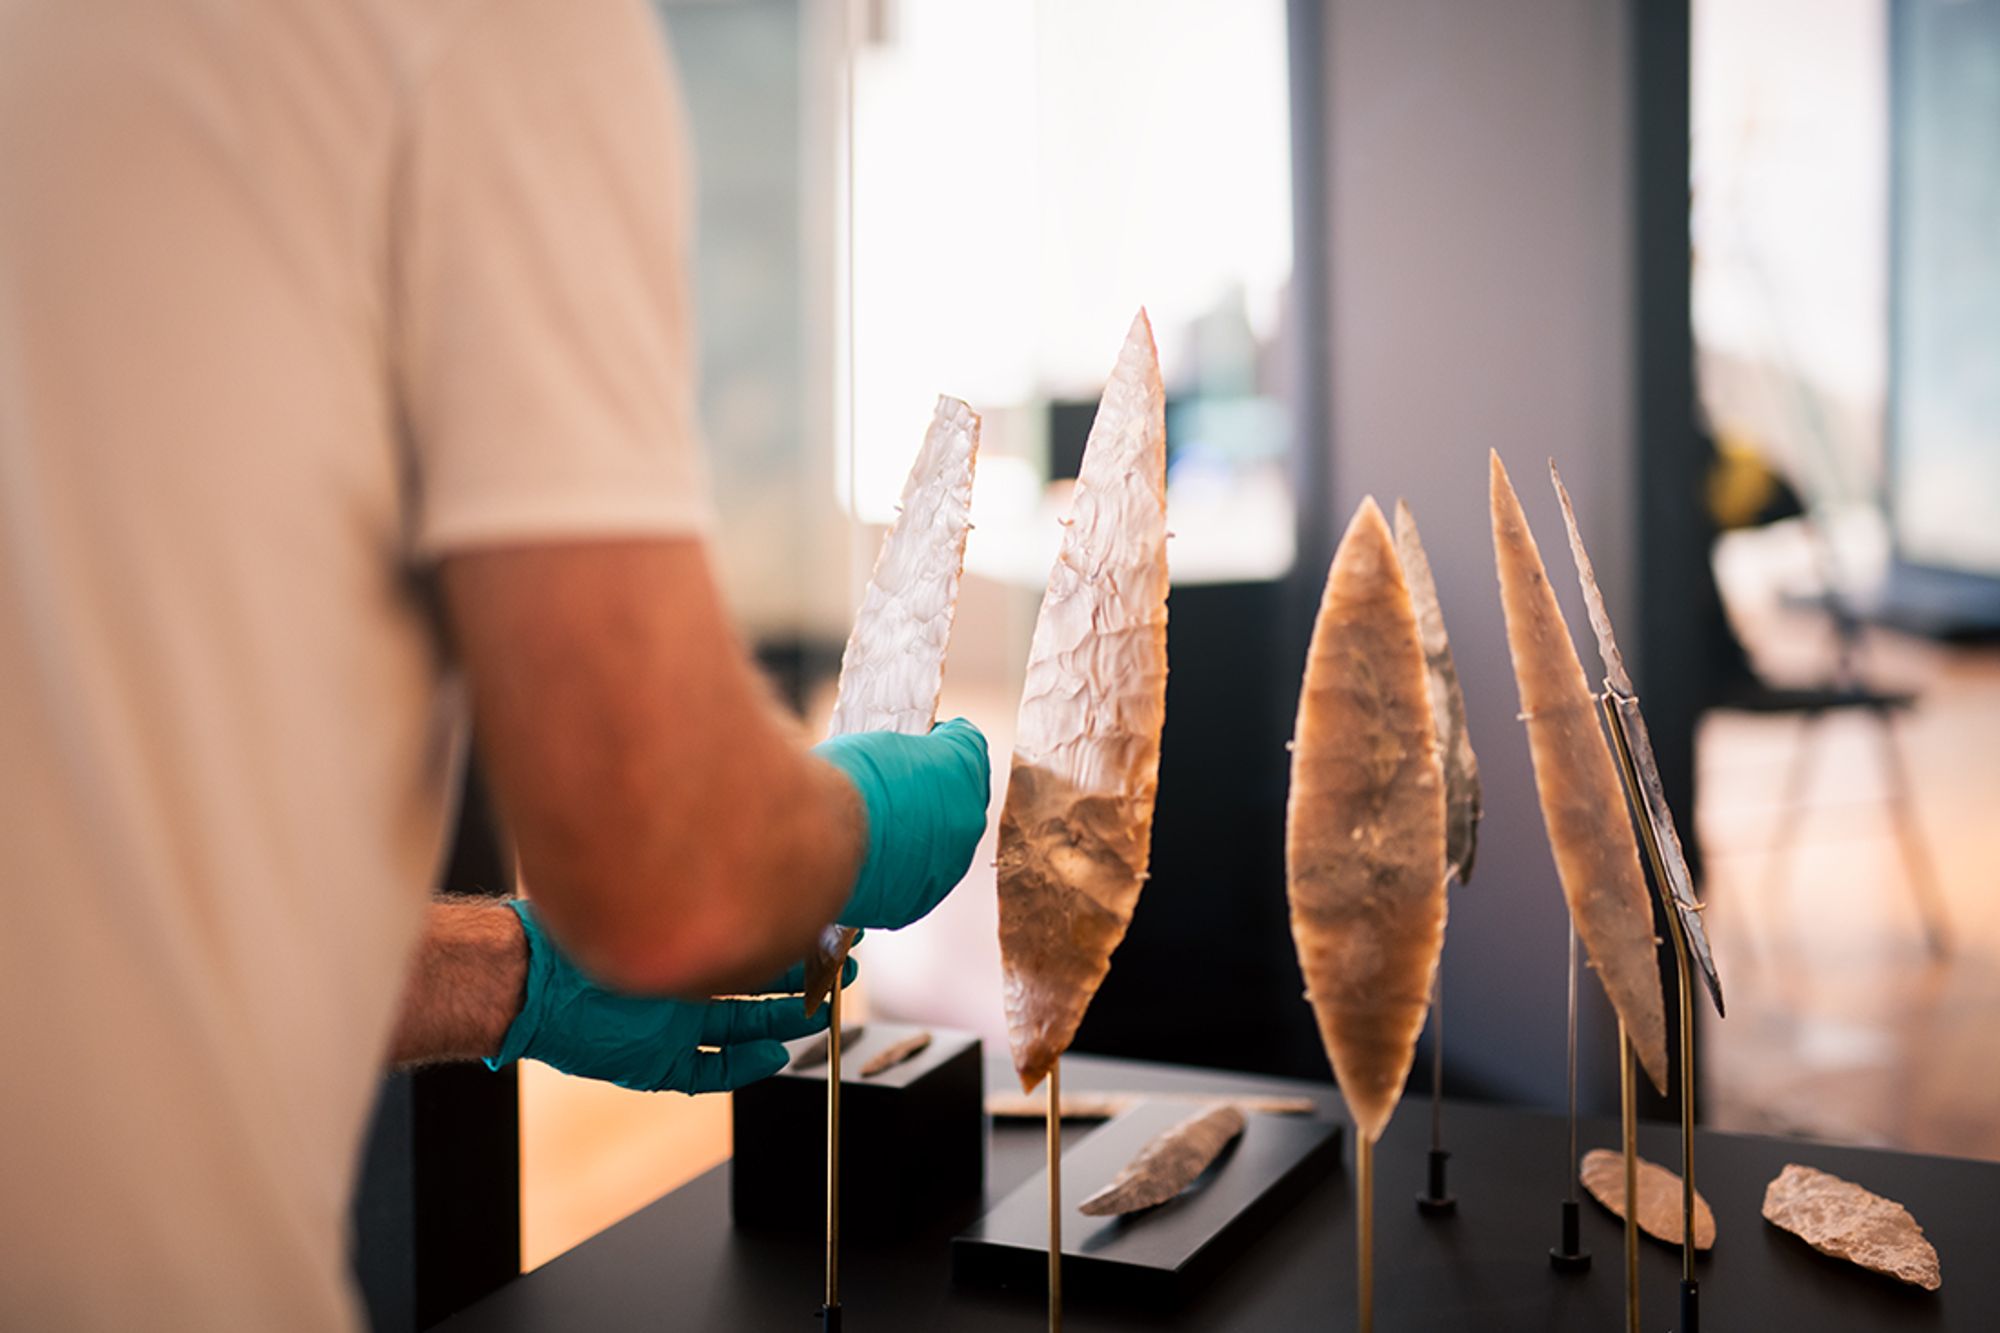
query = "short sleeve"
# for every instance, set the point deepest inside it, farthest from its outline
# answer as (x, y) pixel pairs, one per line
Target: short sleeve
(544, 355)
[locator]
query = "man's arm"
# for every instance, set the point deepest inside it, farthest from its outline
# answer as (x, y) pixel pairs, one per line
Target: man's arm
(489, 984)
(465, 984)
(677, 837)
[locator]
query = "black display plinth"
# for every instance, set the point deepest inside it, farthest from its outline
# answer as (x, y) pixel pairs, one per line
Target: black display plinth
(677, 1264)
(1156, 1257)
(913, 1140)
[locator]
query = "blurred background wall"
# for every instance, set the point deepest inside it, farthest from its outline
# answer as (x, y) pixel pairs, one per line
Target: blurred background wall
(1482, 203)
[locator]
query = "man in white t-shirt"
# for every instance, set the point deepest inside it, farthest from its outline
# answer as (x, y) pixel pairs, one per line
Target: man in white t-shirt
(344, 374)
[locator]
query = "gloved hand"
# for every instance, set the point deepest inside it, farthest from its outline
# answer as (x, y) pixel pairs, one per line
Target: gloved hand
(570, 1022)
(926, 801)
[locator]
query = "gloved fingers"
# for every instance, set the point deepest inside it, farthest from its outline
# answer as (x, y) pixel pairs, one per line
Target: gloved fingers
(793, 980)
(968, 739)
(733, 1067)
(727, 1022)
(968, 744)
(926, 801)
(789, 982)
(965, 821)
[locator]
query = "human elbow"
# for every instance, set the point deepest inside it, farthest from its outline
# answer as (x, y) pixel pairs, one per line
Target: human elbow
(689, 949)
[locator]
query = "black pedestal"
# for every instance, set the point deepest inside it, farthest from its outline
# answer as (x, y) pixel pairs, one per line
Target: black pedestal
(1157, 1257)
(670, 1266)
(913, 1140)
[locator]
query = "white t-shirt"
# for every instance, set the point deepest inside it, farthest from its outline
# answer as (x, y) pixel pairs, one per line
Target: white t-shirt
(295, 296)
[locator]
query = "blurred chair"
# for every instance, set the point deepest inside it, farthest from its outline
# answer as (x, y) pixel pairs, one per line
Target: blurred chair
(1739, 497)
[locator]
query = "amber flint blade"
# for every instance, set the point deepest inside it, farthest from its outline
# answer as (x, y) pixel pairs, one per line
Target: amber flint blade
(1168, 1164)
(1583, 805)
(1680, 881)
(1461, 766)
(1076, 829)
(1365, 825)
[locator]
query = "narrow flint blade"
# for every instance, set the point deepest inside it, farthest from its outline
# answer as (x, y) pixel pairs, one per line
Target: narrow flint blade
(1461, 766)
(1168, 1163)
(893, 667)
(1652, 792)
(1365, 825)
(1583, 801)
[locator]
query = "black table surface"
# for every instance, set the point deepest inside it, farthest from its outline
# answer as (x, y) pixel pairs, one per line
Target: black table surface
(679, 1264)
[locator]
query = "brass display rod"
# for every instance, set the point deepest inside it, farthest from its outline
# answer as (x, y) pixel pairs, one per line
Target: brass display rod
(1628, 1111)
(830, 1311)
(1055, 1196)
(1364, 1210)
(1575, 1163)
(1436, 1199)
(1690, 1289)
(1437, 1060)
(1570, 1256)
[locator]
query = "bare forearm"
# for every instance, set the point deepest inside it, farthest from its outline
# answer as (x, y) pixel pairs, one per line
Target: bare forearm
(727, 908)
(778, 861)
(465, 984)
(676, 836)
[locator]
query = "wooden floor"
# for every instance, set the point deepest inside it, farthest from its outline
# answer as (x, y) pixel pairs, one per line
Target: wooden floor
(1842, 1024)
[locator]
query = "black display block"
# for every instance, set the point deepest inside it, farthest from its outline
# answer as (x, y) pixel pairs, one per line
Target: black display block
(1484, 1268)
(913, 1140)
(1160, 1256)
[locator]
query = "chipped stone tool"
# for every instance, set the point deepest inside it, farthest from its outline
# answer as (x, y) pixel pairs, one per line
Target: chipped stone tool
(1461, 810)
(1076, 828)
(1168, 1164)
(1365, 843)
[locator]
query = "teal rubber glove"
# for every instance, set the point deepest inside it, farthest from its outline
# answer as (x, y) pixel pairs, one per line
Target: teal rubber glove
(926, 801)
(653, 1045)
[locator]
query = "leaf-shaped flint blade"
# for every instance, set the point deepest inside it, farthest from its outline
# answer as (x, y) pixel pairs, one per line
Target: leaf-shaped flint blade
(893, 667)
(1583, 805)
(1365, 825)
(1168, 1164)
(1076, 828)
(1652, 792)
(1461, 766)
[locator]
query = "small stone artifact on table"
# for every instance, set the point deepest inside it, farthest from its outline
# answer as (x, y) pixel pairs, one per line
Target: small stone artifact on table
(1840, 1218)
(890, 1056)
(1659, 1197)
(1100, 1104)
(1168, 1164)
(811, 1052)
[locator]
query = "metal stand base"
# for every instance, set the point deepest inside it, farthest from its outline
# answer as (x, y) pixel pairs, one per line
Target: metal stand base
(1437, 1201)
(1570, 1256)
